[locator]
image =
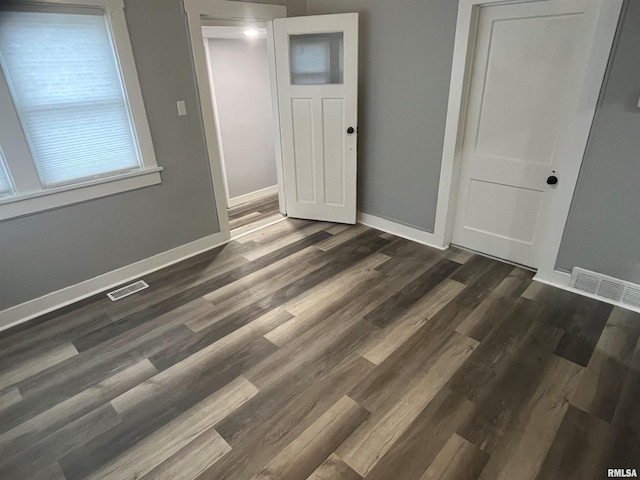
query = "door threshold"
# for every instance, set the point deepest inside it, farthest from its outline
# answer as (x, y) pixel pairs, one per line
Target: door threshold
(508, 262)
(239, 232)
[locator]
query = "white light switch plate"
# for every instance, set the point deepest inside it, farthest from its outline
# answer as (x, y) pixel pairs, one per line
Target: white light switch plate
(182, 108)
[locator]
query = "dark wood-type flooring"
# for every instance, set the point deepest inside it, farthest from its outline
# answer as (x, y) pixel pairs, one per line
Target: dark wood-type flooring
(311, 350)
(255, 214)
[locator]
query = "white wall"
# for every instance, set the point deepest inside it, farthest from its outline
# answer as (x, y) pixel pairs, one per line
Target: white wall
(240, 72)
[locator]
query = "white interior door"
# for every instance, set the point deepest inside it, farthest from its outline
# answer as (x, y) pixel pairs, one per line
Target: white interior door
(317, 76)
(529, 65)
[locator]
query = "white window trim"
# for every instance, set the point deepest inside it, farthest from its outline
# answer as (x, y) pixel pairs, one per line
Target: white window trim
(30, 201)
(18, 206)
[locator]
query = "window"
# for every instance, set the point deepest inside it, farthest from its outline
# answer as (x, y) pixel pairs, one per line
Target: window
(74, 107)
(5, 185)
(317, 58)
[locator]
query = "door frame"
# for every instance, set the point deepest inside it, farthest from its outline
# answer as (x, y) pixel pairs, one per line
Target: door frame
(230, 10)
(208, 34)
(461, 72)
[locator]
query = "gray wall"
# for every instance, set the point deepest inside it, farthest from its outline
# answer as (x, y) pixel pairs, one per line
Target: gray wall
(603, 230)
(401, 117)
(405, 68)
(240, 70)
(52, 250)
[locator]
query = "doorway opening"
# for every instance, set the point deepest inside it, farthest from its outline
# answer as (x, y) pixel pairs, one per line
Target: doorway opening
(241, 90)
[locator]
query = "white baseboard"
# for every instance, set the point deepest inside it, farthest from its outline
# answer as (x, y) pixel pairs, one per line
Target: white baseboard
(400, 230)
(257, 195)
(555, 278)
(66, 296)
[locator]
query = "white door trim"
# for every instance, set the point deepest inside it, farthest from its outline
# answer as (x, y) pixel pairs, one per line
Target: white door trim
(464, 47)
(216, 118)
(225, 9)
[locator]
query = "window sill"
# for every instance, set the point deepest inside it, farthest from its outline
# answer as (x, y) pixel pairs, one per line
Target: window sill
(18, 206)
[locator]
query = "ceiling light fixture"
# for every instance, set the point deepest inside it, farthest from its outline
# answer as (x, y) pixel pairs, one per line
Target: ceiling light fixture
(252, 32)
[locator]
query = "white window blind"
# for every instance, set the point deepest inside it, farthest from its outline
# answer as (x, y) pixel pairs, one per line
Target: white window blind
(66, 85)
(5, 184)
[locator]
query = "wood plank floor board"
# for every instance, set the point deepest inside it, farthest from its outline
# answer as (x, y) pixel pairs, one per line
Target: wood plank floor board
(581, 319)
(262, 293)
(38, 458)
(301, 457)
(262, 205)
(341, 237)
(402, 329)
(25, 434)
(171, 393)
(473, 269)
(601, 387)
(624, 448)
(288, 292)
(405, 298)
(260, 222)
(93, 365)
(262, 427)
(226, 330)
(579, 448)
(249, 218)
(333, 468)
(458, 255)
(275, 233)
(269, 246)
(362, 450)
(52, 472)
(364, 243)
(424, 438)
(463, 311)
(387, 383)
(478, 324)
(458, 460)
(54, 385)
(193, 459)
(187, 312)
(506, 342)
(23, 346)
(254, 214)
(318, 350)
(403, 248)
(308, 313)
(266, 274)
(523, 446)
(9, 396)
(153, 450)
(27, 368)
(480, 285)
(216, 363)
(342, 352)
(513, 383)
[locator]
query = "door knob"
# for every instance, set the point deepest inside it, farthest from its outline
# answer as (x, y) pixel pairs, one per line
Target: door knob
(350, 130)
(552, 180)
